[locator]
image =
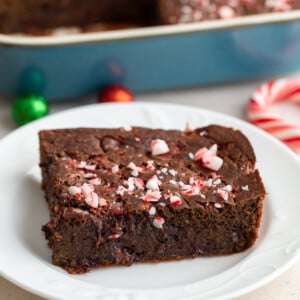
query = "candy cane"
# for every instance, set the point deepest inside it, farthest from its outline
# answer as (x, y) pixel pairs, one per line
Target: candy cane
(258, 110)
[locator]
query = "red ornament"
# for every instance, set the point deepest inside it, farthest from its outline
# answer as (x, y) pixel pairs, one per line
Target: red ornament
(115, 93)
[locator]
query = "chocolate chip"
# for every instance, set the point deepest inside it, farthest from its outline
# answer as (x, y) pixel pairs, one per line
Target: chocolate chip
(109, 144)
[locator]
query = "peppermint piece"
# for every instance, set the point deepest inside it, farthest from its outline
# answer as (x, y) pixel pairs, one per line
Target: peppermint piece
(84, 165)
(115, 235)
(74, 191)
(175, 200)
(150, 165)
(245, 188)
(95, 181)
(173, 172)
(158, 222)
(87, 188)
(226, 12)
(209, 158)
(135, 169)
(115, 169)
(223, 194)
(152, 196)
(153, 183)
(159, 147)
(91, 199)
(152, 211)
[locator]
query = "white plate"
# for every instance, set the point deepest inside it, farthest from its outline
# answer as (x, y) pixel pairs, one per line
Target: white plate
(25, 258)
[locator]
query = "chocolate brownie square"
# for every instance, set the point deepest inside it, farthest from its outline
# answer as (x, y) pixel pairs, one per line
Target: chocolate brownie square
(119, 196)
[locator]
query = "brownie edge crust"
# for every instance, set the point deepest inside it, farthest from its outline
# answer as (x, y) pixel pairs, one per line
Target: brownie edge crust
(119, 196)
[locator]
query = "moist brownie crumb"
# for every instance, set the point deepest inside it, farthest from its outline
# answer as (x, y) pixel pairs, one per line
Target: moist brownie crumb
(119, 196)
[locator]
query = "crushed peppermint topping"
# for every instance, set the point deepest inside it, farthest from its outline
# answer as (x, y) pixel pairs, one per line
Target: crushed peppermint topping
(158, 222)
(199, 154)
(223, 194)
(191, 189)
(152, 211)
(159, 147)
(135, 169)
(218, 205)
(127, 128)
(227, 188)
(191, 156)
(226, 12)
(194, 187)
(175, 200)
(173, 182)
(115, 169)
(153, 183)
(95, 181)
(84, 165)
(71, 162)
(166, 196)
(87, 188)
(217, 181)
(121, 190)
(245, 188)
(152, 196)
(80, 211)
(150, 165)
(209, 158)
(74, 191)
(91, 199)
(207, 182)
(164, 170)
(173, 172)
(115, 235)
(202, 133)
(139, 183)
(89, 175)
(130, 184)
(213, 149)
(278, 5)
(102, 201)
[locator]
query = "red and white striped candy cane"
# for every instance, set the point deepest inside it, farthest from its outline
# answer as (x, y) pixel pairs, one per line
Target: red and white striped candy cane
(258, 110)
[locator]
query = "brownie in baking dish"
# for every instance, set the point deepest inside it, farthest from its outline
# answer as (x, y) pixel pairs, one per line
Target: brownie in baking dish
(37, 16)
(119, 196)
(188, 11)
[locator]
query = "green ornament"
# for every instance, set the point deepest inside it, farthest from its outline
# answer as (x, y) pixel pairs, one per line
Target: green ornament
(28, 108)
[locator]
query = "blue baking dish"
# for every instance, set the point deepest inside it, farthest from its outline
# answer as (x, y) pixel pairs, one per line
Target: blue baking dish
(143, 59)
